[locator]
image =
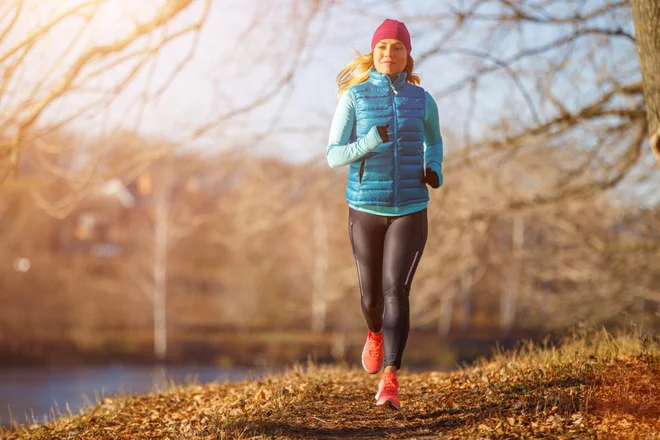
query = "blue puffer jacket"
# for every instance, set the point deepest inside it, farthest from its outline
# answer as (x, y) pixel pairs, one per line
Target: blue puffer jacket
(391, 174)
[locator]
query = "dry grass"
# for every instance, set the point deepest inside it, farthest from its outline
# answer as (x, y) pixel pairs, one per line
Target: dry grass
(593, 386)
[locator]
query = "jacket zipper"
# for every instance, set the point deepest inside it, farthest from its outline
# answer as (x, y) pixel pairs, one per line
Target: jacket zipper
(395, 146)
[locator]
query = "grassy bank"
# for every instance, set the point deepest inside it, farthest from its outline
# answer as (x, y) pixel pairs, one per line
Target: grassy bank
(593, 386)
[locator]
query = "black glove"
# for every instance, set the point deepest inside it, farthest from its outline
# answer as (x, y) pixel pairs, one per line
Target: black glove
(431, 178)
(382, 131)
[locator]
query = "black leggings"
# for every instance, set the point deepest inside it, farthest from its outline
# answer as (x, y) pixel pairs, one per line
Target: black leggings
(387, 251)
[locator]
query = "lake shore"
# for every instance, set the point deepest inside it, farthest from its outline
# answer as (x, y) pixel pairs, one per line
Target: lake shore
(255, 348)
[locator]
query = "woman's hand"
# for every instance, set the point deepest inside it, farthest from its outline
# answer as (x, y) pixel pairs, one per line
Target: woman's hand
(431, 178)
(382, 132)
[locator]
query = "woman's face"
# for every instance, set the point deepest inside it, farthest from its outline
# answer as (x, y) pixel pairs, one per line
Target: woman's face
(390, 57)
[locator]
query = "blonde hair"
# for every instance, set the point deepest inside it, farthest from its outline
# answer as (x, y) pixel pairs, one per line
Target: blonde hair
(357, 71)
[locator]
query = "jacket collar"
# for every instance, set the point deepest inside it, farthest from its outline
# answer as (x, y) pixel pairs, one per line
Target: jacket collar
(381, 79)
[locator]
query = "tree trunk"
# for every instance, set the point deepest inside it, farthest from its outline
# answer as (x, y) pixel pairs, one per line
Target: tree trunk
(160, 269)
(512, 289)
(466, 300)
(447, 309)
(646, 16)
(321, 256)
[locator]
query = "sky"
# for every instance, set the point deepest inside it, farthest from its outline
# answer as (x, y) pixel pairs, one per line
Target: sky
(225, 72)
(231, 65)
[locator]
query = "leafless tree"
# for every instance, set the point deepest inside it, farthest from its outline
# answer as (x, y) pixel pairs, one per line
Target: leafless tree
(546, 121)
(24, 37)
(646, 14)
(47, 87)
(540, 222)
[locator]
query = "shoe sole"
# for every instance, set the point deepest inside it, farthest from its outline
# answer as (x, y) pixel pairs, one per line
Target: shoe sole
(389, 405)
(370, 372)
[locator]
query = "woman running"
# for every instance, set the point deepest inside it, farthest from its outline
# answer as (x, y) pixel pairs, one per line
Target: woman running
(386, 129)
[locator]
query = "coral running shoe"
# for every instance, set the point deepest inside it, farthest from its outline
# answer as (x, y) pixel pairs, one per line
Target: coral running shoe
(388, 391)
(372, 353)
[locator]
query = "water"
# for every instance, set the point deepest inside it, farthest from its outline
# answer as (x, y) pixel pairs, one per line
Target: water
(35, 390)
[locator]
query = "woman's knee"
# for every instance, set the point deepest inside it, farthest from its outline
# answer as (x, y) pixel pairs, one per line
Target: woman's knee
(372, 302)
(396, 292)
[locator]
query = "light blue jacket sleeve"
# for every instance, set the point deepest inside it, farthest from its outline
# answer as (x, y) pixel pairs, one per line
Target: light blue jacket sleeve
(433, 149)
(340, 150)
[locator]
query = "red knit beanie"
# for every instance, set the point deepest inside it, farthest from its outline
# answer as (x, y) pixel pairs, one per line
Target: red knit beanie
(391, 29)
